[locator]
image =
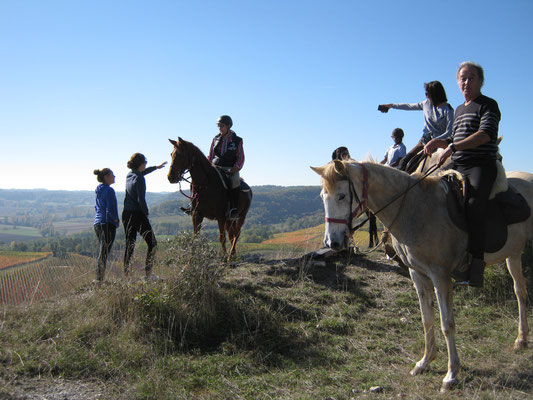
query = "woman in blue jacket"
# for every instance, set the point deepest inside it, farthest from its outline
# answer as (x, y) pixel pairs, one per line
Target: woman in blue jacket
(135, 213)
(106, 218)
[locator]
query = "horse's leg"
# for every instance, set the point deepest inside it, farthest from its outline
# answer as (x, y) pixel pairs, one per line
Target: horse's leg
(197, 220)
(444, 290)
(222, 235)
(424, 290)
(514, 265)
(235, 232)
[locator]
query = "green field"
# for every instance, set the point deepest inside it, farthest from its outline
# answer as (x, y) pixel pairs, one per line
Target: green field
(73, 226)
(10, 233)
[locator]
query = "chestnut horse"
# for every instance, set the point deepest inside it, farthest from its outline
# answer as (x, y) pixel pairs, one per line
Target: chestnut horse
(413, 221)
(210, 199)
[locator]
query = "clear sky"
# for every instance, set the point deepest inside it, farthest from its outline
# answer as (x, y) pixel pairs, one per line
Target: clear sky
(84, 84)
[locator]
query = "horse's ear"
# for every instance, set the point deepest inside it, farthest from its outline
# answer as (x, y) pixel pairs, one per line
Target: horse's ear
(340, 168)
(173, 142)
(180, 140)
(318, 170)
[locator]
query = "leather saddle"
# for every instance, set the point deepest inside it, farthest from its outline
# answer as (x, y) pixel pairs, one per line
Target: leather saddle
(224, 177)
(505, 208)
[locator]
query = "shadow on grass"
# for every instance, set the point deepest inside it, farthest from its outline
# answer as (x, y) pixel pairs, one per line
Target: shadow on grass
(512, 378)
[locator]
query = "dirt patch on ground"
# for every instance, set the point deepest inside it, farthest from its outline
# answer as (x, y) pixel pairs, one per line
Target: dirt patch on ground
(53, 389)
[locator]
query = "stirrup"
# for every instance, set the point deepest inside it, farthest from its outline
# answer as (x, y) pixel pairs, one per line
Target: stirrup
(232, 214)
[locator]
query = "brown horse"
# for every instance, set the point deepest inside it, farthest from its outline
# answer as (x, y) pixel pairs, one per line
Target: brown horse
(210, 199)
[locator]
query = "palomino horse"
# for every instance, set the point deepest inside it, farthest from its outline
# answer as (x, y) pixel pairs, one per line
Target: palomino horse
(210, 199)
(412, 221)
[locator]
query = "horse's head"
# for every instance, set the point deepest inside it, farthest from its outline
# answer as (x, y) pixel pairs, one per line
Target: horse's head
(338, 197)
(181, 160)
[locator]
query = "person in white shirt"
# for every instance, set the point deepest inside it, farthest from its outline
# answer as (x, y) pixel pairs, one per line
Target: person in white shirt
(397, 151)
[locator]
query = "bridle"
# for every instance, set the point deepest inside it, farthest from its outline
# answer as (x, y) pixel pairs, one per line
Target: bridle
(181, 178)
(361, 203)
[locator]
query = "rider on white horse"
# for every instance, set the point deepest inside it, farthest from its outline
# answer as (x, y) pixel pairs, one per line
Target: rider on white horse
(473, 148)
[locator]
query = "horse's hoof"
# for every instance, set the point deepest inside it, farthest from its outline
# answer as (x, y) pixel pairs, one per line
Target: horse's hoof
(448, 385)
(417, 370)
(520, 345)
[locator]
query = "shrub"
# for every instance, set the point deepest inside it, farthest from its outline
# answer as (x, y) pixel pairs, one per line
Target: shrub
(192, 310)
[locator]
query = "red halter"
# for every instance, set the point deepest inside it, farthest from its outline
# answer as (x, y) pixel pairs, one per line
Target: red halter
(361, 204)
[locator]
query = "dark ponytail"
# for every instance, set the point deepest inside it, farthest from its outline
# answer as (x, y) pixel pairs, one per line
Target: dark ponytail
(101, 173)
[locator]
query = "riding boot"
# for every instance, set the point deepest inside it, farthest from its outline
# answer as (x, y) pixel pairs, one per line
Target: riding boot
(234, 202)
(187, 210)
(477, 269)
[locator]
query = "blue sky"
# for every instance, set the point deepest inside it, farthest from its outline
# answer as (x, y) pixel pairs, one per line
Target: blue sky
(84, 84)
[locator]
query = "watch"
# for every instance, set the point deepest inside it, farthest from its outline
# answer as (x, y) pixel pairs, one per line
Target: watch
(452, 146)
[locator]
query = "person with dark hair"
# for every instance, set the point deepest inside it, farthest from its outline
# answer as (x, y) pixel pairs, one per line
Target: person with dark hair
(227, 154)
(135, 213)
(438, 117)
(341, 153)
(473, 147)
(106, 219)
(396, 152)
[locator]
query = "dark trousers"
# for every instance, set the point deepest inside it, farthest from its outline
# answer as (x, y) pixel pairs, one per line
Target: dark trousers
(106, 237)
(372, 230)
(136, 221)
(404, 163)
(481, 176)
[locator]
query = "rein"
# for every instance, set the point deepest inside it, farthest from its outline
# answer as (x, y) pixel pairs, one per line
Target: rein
(361, 204)
(184, 194)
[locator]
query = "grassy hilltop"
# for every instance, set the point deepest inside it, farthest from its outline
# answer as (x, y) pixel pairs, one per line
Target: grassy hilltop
(273, 328)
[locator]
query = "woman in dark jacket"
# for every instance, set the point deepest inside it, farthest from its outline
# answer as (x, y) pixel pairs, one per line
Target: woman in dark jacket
(106, 218)
(135, 213)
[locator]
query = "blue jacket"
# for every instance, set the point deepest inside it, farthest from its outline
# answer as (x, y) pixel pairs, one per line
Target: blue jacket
(136, 191)
(106, 206)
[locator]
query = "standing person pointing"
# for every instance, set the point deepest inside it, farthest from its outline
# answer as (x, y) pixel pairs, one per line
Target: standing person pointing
(135, 213)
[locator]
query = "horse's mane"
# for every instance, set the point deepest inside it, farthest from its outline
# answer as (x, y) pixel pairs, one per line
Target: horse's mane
(193, 150)
(369, 159)
(330, 175)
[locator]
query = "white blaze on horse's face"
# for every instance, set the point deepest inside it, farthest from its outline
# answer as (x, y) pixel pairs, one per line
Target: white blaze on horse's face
(337, 208)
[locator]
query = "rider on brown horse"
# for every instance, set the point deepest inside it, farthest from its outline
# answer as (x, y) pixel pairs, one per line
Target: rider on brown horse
(227, 155)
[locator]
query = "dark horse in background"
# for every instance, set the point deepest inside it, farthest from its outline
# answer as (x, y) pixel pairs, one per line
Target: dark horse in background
(210, 199)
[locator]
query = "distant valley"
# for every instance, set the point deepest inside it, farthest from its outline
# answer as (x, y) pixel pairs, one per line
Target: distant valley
(28, 215)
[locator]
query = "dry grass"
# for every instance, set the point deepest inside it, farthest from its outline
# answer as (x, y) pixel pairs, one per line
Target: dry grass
(274, 329)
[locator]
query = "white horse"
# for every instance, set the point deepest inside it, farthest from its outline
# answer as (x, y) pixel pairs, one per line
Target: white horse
(425, 239)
